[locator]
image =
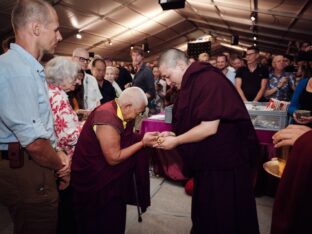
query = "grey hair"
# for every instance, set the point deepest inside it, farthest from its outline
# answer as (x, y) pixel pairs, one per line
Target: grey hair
(134, 96)
(275, 57)
(60, 70)
(79, 51)
(171, 57)
(26, 11)
(115, 70)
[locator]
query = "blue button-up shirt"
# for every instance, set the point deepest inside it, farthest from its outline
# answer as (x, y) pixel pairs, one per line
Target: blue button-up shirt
(25, 112)
(284, 93)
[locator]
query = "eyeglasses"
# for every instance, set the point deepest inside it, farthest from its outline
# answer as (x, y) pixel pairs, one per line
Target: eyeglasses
(82, 59)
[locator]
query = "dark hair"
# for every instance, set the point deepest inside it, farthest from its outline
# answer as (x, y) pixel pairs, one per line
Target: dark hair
(138, 50)
(223, 55)
(96, 60)
(77, 94)
(256, 49)
(235, 56)
(288, 56)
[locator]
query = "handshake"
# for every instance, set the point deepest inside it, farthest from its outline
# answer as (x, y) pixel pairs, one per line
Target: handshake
(163, 140)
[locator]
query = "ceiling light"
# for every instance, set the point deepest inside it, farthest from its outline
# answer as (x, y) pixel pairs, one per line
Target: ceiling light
(131, 46)
(255, 44)
(253, 16)
(78, 36)
(255, 38)
(145, 46)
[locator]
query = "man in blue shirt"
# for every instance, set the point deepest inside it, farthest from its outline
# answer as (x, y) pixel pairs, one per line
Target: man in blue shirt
(281, 84)
(26, 124)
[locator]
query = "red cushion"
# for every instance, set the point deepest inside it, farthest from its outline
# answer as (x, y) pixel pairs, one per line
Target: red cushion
(189, 187)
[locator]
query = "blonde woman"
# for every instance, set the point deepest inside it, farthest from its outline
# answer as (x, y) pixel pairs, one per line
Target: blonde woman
(111, 75)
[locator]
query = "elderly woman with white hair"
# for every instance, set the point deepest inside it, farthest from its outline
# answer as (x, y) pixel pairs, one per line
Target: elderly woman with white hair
(61, 75)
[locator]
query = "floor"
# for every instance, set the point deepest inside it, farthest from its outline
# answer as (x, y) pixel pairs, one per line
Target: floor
(168, 214)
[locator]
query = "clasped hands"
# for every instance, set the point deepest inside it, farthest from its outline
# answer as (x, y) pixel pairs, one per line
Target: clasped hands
(163, 140)
(64, 173)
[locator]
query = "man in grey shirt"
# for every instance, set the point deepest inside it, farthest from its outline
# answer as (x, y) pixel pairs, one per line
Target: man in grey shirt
(143, 78)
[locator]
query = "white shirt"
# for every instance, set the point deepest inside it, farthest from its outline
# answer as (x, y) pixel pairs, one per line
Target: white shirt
(117, 88)
(231, 74)
(92, 94)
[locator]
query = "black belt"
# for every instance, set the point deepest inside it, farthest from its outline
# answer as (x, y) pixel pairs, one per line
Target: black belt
(4, 154)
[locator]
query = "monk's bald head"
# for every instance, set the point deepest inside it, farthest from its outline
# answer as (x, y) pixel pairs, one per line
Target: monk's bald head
(171, 57)
(133, 96)
(172, 65)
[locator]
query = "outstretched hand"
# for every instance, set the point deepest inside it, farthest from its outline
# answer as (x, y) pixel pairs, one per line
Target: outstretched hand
(150, 138)
(167, 143)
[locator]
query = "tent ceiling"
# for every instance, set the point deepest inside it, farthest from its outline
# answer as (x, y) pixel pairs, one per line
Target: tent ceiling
(131, 22)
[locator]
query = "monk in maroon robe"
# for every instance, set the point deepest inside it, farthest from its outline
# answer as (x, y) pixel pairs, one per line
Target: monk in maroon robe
(218, 145)
(293, 201)
(103, 164)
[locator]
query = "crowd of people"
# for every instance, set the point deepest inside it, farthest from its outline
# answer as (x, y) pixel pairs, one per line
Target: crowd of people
(71, 157)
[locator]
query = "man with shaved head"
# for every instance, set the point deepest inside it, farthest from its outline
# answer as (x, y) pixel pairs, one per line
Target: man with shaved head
(217, 142)
(28, 154)
(104, 161)
(281, 84)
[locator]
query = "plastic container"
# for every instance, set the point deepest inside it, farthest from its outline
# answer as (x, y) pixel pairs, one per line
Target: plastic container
(272, 120)
(168, 114)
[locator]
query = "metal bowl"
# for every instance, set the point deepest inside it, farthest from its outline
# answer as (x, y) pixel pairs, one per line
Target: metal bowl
(275, 167)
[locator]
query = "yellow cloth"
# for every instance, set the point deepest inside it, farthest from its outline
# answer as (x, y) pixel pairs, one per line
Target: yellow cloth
(119, 115)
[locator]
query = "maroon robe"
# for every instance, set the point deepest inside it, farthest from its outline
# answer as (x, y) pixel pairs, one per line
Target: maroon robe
(101, 191)
(293, 201)
(221, 164)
